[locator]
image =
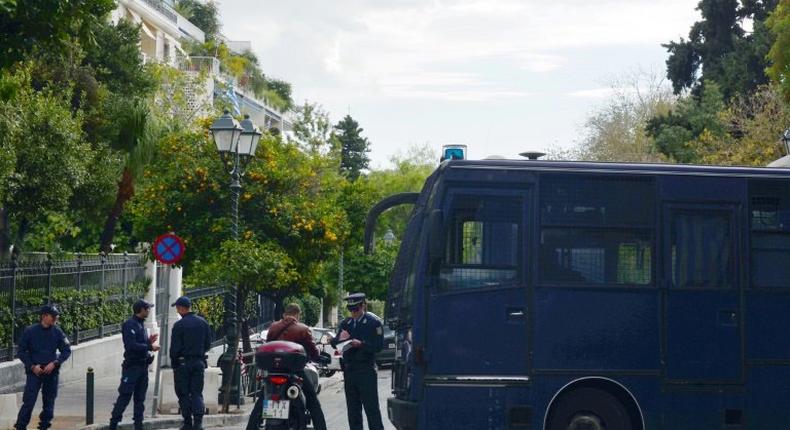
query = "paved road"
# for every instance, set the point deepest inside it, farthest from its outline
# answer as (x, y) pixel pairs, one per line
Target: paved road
(333, 402)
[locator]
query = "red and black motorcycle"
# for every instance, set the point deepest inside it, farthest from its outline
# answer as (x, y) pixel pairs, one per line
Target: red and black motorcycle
(280, 403)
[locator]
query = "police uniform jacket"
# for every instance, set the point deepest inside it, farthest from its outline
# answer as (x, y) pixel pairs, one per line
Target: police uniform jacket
(40, 345)
(135, 343)
(368, 329)
(190, 339)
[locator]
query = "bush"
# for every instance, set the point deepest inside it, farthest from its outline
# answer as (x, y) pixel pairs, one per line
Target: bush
(81, 310)
(311, 308)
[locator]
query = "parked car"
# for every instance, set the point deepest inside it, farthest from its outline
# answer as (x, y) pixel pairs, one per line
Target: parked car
(387, 354)
(322, 336)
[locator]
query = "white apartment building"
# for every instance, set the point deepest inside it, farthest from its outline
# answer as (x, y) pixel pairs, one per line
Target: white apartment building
(162, 31)
(161, 28)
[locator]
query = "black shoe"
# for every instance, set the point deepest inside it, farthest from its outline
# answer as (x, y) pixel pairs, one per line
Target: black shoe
(197, 422)
(113, 426)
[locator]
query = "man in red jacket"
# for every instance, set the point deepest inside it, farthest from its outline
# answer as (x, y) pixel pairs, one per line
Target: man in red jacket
(289, 328)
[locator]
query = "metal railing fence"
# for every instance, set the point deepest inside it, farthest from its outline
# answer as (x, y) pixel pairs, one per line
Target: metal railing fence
(89, 289)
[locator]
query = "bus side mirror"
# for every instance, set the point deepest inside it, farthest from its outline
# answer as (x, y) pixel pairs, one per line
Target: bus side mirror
(436, 239)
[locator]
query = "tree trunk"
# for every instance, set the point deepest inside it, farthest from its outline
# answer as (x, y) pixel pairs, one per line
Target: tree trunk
(125, 193)
(5, 235)
(24, 227)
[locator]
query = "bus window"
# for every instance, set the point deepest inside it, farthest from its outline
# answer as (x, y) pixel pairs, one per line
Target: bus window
(483, 244)
(702, 248)
(580, 256)
(770, 237)
(596, 230)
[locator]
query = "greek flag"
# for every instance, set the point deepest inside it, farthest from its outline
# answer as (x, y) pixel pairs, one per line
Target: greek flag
(231, 95)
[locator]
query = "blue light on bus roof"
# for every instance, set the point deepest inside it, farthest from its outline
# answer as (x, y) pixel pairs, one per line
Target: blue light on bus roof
(453, 154)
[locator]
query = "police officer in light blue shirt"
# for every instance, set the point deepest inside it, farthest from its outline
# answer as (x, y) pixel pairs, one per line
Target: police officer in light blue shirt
(42, 349)
(138, 346)
(190, 341)
(364, 334)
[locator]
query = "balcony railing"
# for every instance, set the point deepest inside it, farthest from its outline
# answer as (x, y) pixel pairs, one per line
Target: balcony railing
(164, 9)
(201, 64)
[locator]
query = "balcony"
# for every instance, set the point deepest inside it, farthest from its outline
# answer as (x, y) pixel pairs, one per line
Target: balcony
(209, 65)
(164, 9)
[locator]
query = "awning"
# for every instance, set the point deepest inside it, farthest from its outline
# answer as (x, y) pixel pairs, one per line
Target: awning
(147, 30)
(138, 20)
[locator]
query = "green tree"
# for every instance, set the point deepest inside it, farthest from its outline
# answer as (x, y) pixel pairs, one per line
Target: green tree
(677, 133)
(30, 26)
(616, 130)
(779, 25)
(353, 147)
(205, 16)
(51, 156)
(312, 130)
(720, 50)
(137, 133)
(264, 268)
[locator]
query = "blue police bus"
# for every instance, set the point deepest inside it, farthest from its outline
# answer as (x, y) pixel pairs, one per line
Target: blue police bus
(572, 295)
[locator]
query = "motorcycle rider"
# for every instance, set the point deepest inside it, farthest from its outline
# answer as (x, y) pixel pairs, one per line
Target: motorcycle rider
(289, 328)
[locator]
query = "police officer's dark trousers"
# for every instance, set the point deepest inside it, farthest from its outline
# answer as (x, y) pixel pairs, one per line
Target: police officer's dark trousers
(48, 385)
(189, 389)
(361, 387)
(134, 384)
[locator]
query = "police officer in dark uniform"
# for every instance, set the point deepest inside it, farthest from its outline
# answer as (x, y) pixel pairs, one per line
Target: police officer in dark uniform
(190, 341)
(137, 346)
(38, 351)
(363, 333)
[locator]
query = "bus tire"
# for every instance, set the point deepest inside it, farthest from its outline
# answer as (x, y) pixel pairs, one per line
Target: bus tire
(589, 408)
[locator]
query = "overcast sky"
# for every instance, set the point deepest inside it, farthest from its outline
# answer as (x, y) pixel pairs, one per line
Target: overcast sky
(500, 76)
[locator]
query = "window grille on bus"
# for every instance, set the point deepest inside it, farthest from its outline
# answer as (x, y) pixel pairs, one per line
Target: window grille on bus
(770, 233)
(483, 242)
(596, 230)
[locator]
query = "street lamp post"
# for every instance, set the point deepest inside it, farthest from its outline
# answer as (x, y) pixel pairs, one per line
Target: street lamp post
(236, 144)
(389, 237)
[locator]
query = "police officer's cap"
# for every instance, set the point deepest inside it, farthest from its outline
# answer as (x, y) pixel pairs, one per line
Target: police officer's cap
(355, 299)
(140, 305)
(49, 310)
(183, 301)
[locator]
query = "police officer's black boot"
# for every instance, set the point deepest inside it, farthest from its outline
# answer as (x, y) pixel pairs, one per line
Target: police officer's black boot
(43, 426)
(187, 423)
(197, 422)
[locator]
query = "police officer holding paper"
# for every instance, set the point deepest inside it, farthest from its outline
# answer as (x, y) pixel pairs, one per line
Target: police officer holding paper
(361, 337)
(191, 340)
(138, 346)
(38, 351)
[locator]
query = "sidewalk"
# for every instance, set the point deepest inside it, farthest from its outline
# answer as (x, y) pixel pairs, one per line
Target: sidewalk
(70, 407)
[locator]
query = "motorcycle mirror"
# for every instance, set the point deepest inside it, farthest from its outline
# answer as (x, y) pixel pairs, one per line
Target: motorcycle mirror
(324, 340)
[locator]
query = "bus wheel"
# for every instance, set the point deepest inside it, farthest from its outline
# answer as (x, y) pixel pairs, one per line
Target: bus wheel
(589, 409)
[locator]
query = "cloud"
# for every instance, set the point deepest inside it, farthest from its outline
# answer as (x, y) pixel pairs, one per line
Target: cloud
(594, 93)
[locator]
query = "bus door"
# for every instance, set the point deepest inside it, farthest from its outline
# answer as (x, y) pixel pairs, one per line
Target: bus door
(477, 310)
(702, 320)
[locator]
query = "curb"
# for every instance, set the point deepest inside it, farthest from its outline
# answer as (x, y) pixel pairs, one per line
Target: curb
(166, 422)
